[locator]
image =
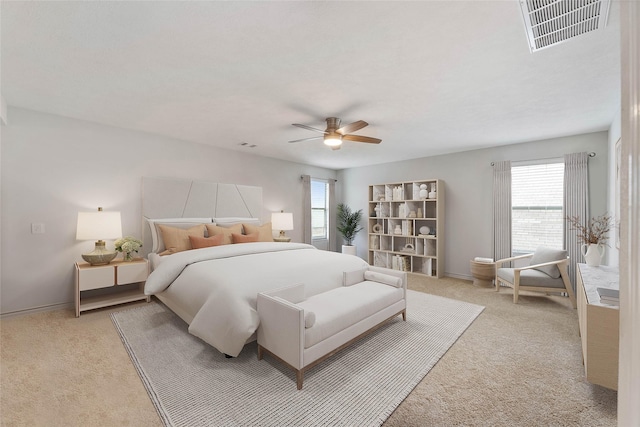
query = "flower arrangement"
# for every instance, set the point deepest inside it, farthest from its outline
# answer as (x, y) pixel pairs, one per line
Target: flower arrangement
(128, 245)
(593, 233)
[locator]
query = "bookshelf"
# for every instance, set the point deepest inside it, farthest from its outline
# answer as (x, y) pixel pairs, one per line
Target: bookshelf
(406, 226)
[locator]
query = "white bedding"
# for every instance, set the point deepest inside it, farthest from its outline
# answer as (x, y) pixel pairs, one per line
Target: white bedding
(215, 289)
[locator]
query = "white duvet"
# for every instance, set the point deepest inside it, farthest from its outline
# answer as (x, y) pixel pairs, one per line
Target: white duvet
(215, 289)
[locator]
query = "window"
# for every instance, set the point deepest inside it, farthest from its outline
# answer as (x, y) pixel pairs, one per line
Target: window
(319, 209)
(537, 216)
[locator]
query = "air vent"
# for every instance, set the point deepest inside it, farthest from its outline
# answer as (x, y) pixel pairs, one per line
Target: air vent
(549, 22)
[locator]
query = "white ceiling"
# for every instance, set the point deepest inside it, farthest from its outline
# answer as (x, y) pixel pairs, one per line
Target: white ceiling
(430, 77)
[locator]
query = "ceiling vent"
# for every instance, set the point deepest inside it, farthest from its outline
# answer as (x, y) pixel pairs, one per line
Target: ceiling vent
(549, 22)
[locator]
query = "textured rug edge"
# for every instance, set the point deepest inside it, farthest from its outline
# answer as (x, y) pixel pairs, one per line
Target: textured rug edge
(160, 409)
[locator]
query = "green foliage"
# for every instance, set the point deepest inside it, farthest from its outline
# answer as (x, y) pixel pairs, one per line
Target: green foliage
(348, 222)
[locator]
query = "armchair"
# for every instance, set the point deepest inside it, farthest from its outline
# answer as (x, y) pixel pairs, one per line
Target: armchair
(546, 272)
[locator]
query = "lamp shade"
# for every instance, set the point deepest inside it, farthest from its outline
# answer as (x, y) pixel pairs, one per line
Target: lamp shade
(98, 225)
(282, 221)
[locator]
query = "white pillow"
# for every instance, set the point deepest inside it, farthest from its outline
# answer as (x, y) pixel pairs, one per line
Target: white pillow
(387, 279)
(230, 221)
(352, 277)
(156, 235)
(309, 319)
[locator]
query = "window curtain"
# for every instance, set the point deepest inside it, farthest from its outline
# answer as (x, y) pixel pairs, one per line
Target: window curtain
(576, 204)
(501, 210)
(332, 215)
(306, 220)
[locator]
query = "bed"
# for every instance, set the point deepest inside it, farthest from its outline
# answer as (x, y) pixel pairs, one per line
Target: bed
(214, 289)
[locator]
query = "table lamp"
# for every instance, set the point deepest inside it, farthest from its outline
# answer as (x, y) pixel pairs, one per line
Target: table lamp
(282, 221)
(97, 226)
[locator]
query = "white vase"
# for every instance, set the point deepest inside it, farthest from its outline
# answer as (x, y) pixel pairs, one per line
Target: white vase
(593, 253)
(424, 193)
(349, 249)
(432, 193)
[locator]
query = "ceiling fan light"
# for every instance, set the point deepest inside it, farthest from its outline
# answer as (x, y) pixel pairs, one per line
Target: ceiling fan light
(333, 141)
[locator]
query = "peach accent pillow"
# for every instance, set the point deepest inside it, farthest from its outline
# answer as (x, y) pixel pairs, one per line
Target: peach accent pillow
(215, 230)
(244, 238)
(264, 231)
(177, 239)
(206, 242)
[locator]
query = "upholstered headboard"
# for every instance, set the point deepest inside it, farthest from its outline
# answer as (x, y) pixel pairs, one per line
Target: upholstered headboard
(182, 198)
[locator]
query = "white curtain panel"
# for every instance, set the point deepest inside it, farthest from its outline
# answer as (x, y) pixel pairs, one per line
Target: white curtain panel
(333, 209)
(576, 203)
(501, 210)
(306, 221)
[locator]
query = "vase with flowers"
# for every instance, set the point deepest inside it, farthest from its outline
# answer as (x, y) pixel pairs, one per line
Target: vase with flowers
(128, 245)
(593, 236)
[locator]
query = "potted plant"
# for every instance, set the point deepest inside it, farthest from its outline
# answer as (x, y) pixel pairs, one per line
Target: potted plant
(348, 226)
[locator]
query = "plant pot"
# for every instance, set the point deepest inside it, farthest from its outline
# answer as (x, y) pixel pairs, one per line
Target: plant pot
(593, 253)
(349, 249)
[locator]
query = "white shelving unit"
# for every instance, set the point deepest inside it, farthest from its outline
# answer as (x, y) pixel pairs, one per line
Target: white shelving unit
(406, 229)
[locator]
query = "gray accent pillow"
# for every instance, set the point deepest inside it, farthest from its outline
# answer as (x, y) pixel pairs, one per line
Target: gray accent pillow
(543, 254)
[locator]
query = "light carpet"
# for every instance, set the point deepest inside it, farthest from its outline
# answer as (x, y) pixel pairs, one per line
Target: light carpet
(191, 383)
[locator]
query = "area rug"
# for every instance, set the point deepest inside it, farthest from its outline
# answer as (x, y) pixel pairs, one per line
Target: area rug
(192, 384)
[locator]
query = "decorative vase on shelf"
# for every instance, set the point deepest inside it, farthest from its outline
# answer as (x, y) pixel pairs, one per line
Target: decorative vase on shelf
(593, 253)
(424, 193)
(432, 193)
(127, 256)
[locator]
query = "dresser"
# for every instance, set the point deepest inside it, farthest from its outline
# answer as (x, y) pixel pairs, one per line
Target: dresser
(599, 325)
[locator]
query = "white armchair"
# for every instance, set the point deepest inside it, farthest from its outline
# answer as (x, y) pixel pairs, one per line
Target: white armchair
(546, 272)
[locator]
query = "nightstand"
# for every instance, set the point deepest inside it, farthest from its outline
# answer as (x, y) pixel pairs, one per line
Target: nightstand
(116, 273)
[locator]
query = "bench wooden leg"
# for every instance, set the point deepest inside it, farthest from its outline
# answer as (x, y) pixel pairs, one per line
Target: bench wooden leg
(299, 378)
(260, 352)
(404, 315)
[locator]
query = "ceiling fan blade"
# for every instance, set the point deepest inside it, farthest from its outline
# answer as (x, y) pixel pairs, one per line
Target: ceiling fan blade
(305, 139)
(352, 127)
(309, 128)
(358, 138)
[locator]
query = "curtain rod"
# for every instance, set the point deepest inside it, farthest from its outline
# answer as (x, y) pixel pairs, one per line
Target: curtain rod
(591, 154)
(322, 179)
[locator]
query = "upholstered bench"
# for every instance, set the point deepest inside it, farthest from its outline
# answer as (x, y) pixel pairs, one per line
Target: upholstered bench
(301, 332)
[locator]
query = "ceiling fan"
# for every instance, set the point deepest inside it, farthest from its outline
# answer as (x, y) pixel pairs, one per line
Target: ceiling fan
(333, 135)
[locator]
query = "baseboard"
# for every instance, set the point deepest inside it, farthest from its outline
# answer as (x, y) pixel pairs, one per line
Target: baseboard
(459, 276)
(51, 307)
(451, 275)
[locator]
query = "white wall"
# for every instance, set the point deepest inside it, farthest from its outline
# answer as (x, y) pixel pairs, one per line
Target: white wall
(468, 182)
(614, 135)
(52, 167)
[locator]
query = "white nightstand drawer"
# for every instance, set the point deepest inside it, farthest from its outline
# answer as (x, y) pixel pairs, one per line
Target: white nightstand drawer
(95, 278)
(89, 277)
(131, 273)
